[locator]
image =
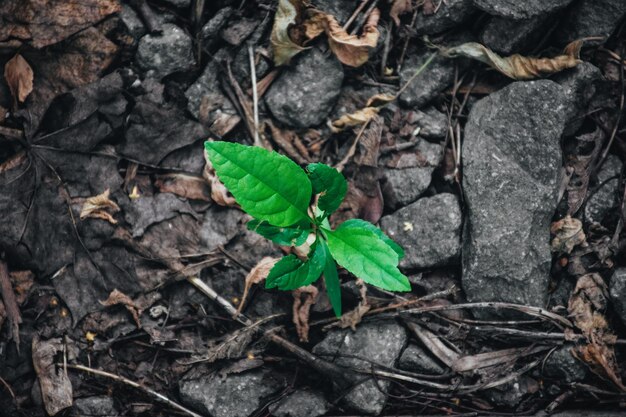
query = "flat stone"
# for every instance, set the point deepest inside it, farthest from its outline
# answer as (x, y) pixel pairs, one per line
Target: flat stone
(564, 367)
(404, 186)
(429, 230)
(590, 18)
(301, 403)
(166, 53)
(306, 91)
(212, 28)
(132, 21)
(512, 165)
(237, 395)
(416, 359)
(604, 201)
(432, 123)
(377, 341)
(94, 406)
(438, 75)
(508, 36)
(450, 14)
(617, 291)
(514, 9)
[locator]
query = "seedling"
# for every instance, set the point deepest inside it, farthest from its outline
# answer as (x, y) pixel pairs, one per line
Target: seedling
(277, 193)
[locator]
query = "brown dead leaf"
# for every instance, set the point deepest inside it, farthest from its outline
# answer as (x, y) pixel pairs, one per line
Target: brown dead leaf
(400, 7)
(568, 233)
(100, 207)
(288, 14)
(516, 66)
(256, 276)
(117, 297)
(187, 186)
(290, 142)
(580, 161)
(351, 50)
(19, 77)
(303, 299)
(353, 317)
(219, 192)
(56, 387)
(357, 118)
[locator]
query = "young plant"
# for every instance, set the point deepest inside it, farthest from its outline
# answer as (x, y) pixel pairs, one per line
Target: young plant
(277, 193)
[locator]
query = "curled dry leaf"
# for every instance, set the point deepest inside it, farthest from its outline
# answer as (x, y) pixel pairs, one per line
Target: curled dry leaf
(351, 50)
(188, 186)
(354, 119)
(117, 297)
(256, 276)
(303, 299)
(19, 77)
(568, 233)
(398, 8)
(99, 206)
(219, 193)
(516, 66)
(288, 13)
(56, 388)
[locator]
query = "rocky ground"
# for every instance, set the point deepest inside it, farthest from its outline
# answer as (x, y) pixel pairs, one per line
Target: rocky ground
(123, 260)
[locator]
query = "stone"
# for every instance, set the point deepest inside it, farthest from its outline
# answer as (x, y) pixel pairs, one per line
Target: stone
(512, 393)
(301, 403)
(519, 10)
(512, 166)
(166, 53)
(212, 28)
(590, 18)
(94, 406)
(403, 186)
(564, 367)
(429, 230)
(438, 75)
(604, 201)
(617, 291)
(381, 342)
(507, 36)
(132, 21)
(340, 9)
(432, 123)
(237, 32)
(416, 359)
(450, 14)
(236, 395)
(306, 91)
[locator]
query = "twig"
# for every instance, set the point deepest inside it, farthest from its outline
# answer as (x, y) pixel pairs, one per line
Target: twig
(255, 97)
(406, 43)
(355, 14)
(213, 295)
(383, 62)
(341, 165)
(363, 19)
(156, 395)
(8, 387)
(10, 303)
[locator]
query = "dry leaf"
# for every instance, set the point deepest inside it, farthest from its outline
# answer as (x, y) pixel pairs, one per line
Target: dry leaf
(288, 13)
(380, 99)
(351, 50)
(516, 66)
(354, 119)
(256, 276)
(353, 317)
(289, 142)
(117, 297)
(568, 233)
(19, 77)
(56, 388)
(188, 186)
(580, 162)
(400, 7)
(303, 299)
(98, 207)
(219, 193)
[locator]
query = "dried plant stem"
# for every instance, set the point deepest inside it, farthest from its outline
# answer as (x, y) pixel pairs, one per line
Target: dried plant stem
(255, 97)
(10, 303)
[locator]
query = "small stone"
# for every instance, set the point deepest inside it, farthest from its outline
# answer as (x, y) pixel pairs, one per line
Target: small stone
(215, 24)
(432, 123)
(512, 393)
(564, 367)
(95, 406)
(519, 10)
(507, 36)
(377, 341)
(235, 33)
(604, 201)
(165, 53)
(590, 18)
(434, 236)
(438, 75)
(306, 91)
(416, 359)
(301, 403)
(236, 395)
(617, 290)
(450, 14)
(132, 21)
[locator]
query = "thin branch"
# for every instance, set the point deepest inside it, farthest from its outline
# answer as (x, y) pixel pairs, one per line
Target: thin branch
(255, 97)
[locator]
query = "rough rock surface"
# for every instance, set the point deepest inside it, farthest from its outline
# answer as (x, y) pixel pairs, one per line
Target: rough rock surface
(165, 53)
(300, 97)
(429, 230)
(512, 163)
(301, 403)
(432, 80)
(432, 123)
(514, 9)
(450, 14)
(237, 395)
(95, 406)
(564, 367)
(617, 290)
(132, 21)
(416, 359)
(604, 200)
(341, 9)
(378, 342)
(587, 18)
(508, 36)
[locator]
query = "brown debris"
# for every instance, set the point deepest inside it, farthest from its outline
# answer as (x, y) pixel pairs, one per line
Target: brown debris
(11, 306)
(187, 186)
(100, 207)
(568, 233)
(56, 387)
(19, 77)
(256, 276)
(303, 299)
(117, 297)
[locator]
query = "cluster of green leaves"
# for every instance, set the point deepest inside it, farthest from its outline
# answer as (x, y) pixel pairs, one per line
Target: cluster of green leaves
(277, 193)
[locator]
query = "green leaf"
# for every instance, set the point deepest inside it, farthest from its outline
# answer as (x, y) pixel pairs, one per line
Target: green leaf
(286, 236)
(330, 183)
(267, 185)
(367, 256)
(290, 272)
(362, 224)
(331, 279)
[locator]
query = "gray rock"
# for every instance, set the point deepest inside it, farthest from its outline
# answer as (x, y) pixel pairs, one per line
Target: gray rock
(507, 36)
(237, 395)
(94, 406)
(165, 53)
(432, 123)
(512, 164)
(587, 18)
(512, 393)
(304, 403)
(605, 199)
(518, 10)
(237, 32)
(212, 28)
(432, 80)
(429, 230)
(450, 14)
(563, 366)
(416, 359)
(404, 186)
(178, 3)
(306, 92)
(132, 21)
(378, 342)
(341, 9)
(617, 291)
